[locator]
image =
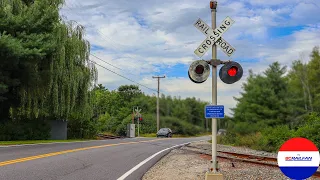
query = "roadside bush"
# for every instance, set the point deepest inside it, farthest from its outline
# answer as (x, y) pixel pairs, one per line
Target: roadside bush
(122, 128)
(24, 130)
(269, 139)
(245, 128)
(234, 139)
(274, 137)
(310, 129)
(181, 127)
(250, 140)
(107, 123)
(228, 139)
(81, 130)
(149, 124)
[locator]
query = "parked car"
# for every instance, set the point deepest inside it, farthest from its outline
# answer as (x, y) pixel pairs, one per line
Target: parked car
(164, 132)
(222, 132)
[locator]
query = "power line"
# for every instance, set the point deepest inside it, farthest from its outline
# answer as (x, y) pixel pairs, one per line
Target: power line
(123, 76)
(113, 43)
(108, 62)
(101, 34)
(105, 61)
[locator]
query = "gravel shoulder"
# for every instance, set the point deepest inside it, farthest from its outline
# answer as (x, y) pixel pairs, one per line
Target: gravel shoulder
(193, 161)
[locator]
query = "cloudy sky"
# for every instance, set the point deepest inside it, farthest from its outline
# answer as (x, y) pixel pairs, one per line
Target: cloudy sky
(142, 38)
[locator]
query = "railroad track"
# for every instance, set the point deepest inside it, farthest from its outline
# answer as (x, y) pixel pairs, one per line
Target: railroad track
(247, 158)
(254, 159)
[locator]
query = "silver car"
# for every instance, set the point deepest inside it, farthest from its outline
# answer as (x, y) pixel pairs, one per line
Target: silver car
(164, 132)
(222, 132)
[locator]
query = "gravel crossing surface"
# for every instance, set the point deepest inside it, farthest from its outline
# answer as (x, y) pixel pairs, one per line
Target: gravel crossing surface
(191, 162)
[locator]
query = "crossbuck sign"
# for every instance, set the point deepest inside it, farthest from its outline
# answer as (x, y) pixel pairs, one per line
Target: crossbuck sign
(214, 37)
(137, 110)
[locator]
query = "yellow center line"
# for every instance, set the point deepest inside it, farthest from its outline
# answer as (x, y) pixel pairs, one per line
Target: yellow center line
(4, 163)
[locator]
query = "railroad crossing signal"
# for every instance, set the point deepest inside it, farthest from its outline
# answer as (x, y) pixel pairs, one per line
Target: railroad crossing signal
(231, 72)
(199, 71)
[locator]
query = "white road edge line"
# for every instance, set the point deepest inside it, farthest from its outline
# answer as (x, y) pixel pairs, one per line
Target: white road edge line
(149, 158)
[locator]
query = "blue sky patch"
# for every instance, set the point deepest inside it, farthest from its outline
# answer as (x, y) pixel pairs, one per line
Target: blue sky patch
(96, 48)
(276, 32)
(178, 70)
(140, 20)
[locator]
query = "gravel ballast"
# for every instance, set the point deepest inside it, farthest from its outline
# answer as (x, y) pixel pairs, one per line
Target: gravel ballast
(192, 162)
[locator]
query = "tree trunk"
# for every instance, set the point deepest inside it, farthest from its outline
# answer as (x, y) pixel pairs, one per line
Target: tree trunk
(304, 94)
(308, 88)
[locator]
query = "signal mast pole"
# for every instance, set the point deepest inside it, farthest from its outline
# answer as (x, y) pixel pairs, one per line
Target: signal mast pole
(199, 71)
(214, 164)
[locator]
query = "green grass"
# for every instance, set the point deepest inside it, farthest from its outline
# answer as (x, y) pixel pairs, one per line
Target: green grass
(39, 141)
(148, 135)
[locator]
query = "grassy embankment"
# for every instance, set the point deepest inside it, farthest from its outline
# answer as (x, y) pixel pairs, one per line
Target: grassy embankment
(3, 143)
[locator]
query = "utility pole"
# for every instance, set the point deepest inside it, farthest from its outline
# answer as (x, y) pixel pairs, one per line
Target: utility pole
(158, 118)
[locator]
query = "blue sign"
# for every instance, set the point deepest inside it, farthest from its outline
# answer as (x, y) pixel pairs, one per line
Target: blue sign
(214, 111)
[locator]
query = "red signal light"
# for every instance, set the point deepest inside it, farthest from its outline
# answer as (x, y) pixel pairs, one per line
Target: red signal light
(199, 69)
(233, 71)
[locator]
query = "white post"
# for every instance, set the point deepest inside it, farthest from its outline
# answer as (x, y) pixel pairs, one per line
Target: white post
(214, 96)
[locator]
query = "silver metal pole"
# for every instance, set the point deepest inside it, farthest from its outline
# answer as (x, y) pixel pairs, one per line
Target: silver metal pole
(214, 97)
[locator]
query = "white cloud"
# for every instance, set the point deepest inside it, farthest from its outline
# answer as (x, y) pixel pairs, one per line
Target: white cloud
(289, 48)
(144, 37)
(306, 13)
(271, 2)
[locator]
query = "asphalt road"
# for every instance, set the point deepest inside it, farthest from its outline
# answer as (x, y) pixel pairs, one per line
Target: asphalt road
(103, 160)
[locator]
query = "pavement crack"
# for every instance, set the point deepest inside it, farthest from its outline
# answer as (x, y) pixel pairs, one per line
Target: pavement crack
(84, 166)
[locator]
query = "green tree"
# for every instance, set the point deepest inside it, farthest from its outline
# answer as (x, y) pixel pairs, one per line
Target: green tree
(128, 92)
(45, 71)
(313, 74)
(264, 100)
(26, 44)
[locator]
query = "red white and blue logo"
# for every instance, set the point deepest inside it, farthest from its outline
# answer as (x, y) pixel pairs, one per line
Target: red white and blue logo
(298, 158)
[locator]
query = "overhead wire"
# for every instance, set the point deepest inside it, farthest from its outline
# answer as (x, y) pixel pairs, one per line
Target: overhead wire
(78, 5)
(109, 39)
(113, 43)
(100, 58)
(123, 76)
(108, 62)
